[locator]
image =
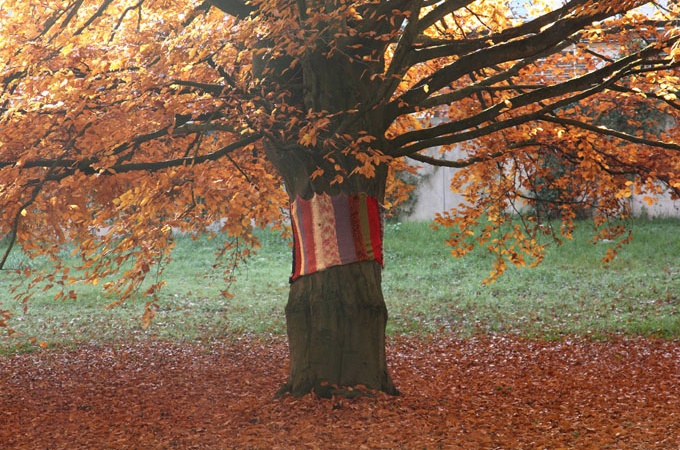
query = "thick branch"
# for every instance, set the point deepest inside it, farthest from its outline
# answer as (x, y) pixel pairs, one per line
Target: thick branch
(450, 133)
(593, 81)
(588, 85)
(432, 49)
(490, 83)
(235, 8)
(525, 47)
(399, 66)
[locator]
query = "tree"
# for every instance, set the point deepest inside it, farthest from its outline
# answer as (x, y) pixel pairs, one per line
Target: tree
(122, 120)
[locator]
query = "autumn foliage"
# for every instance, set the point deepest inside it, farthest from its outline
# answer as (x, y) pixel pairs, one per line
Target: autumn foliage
(123, 121)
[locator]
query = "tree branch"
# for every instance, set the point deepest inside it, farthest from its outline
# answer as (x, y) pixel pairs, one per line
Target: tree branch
(440, 12)
(527, 46)
(212, 89)
(436, 136)
(154, 166)
(105, 4)
(192, 160)
(486, 84)
(37, 187)
(441, 48)
(609, 132)
(236, 8)
(122, 17)
(457, 164)
(15, 224)
(72, 13)
(594, 82)
(399, 65)
(585, 85)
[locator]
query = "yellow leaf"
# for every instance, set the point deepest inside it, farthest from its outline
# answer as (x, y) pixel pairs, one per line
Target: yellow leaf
(67, 49)
(149, 314)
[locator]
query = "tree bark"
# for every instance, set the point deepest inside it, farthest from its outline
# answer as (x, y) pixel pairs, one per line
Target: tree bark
(336, 313)
(336, 331)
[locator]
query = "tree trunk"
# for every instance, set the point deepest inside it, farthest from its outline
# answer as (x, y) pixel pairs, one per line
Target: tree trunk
(336, 312)
(336, 331)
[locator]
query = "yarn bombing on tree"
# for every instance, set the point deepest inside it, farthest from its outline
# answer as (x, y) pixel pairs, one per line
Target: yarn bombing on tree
(332, 231)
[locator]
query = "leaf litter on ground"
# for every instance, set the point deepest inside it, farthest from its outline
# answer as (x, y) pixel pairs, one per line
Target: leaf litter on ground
(494, 392)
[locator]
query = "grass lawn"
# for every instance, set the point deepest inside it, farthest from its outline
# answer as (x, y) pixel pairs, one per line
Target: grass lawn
(427, 292)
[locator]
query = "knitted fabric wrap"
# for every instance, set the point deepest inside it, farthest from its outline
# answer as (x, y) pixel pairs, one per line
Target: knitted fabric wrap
(332, 231)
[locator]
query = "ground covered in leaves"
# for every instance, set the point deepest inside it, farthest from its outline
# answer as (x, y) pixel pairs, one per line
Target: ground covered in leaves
(480, 393)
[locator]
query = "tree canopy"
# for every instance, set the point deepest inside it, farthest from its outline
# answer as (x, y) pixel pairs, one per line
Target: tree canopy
(121, 120)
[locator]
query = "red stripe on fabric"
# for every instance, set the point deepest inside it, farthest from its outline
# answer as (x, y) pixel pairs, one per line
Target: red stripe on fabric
(365, 227)
(308, 241)
(375, 222)
(329, 231)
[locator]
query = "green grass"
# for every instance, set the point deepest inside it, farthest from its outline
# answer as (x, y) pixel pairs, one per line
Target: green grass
(426, 290)
(571, 292)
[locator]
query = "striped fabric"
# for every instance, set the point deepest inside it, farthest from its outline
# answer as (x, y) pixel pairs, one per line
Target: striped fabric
(332, 231)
